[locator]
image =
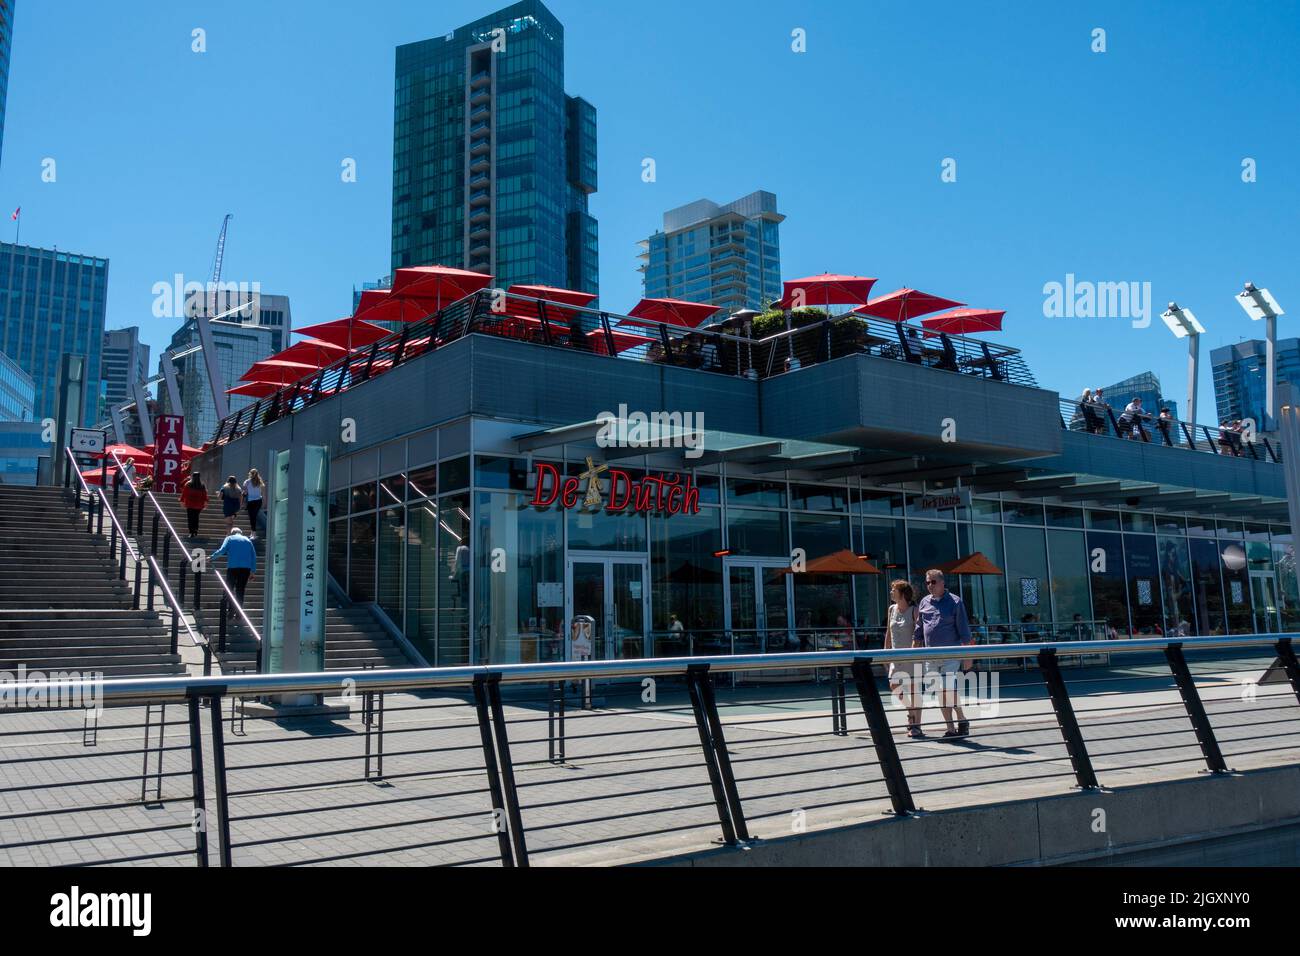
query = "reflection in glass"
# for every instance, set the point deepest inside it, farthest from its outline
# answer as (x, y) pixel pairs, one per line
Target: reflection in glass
(1176, 586)
(453, 586)
(1109, 585)
(520, 580)
(361, 565)
(1143, 570)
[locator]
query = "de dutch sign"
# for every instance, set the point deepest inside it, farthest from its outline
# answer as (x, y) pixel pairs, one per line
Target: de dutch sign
(662, 494)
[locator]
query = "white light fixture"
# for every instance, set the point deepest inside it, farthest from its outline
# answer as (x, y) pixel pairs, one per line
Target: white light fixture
(1184, 325)
(1260, 304)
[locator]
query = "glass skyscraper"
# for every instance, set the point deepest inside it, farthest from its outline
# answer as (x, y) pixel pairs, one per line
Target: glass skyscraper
(1239, 377)
(728, 255)
(20, 436)
(492, 163)
(52, 303)
(1144, 385)
(6, 41)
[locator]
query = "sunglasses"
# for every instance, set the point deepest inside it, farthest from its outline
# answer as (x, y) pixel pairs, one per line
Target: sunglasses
(932, 582)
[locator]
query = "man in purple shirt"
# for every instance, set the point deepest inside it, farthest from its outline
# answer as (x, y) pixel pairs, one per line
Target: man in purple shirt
(942, 622)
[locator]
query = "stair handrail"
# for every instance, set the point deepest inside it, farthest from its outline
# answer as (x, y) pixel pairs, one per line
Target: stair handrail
(156, 577)
(134, 506)
(229, 596)
(178, 617)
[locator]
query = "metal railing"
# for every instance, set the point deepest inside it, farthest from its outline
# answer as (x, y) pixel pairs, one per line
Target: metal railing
(120, 549)
(715, 348)
(1102, 419)
(652, 749)
(228, 604)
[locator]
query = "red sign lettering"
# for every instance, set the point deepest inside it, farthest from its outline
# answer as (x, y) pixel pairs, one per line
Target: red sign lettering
(672, 494)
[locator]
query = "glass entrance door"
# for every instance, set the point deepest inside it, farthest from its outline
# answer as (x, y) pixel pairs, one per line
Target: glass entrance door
(757, 612)
(1263, 592)
(613, 592)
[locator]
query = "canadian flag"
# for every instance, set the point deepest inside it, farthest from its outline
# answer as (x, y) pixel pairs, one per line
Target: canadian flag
(17, 213)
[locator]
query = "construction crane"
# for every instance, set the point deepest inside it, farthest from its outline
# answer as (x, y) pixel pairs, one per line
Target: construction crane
(221, 250)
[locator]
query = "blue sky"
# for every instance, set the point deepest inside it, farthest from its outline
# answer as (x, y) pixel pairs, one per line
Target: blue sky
(1115, 166)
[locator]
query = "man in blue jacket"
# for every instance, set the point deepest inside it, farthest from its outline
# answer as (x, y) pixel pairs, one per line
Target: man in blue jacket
(241, 561)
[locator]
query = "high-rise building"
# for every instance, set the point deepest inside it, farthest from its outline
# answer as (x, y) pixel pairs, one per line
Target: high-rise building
(1144, 385)
(51, 304)
(261, 333)
(1239, 377)
(728, 255)
(492, 163)
(6, 41)
(20, 434)
(125, 363)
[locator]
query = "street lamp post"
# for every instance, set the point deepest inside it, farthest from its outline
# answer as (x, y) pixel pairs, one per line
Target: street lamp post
(1260, 304)
(1184, 325)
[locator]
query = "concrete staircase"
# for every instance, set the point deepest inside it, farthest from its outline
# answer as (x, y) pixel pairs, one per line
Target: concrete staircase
(62, 605)
(354, 640)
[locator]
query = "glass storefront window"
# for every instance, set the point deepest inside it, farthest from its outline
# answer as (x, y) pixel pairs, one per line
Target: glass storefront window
(685, 576)
(1200, 526)
(819, 498)
(1103, 520)
(761, 533)
(1109, 585)
(1230, 529)
(881, 503)
(1236, 586)
(1207, 584)
(1143, 570)
(1176, 586)
(361, 563)
(392, 490)
(819, 535)
(1068, 555)
(498, 472)
(601, 530)
(339, 503)
(422, 483)
(363, 497)
(421, 626)
(519, 579)
(985, 509)
(710, 491)
(392, 549)
(1028, 592)
(453, 474)
(985, 594)
(1062, 517)
(929, 544)
(453, 586)
(1170, 524)
(1022, 512)
(755, 494)
(1288, 586)
(1138, 521)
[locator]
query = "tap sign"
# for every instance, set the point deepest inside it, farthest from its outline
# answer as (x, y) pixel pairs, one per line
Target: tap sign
(167, 436)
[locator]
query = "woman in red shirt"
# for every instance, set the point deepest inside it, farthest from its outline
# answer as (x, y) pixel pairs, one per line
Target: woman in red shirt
(194, 496)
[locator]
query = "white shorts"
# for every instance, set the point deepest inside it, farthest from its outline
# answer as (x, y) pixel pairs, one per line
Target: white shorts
(945, 674)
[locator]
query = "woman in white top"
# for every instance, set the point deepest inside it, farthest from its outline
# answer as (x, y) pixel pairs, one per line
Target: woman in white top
(905, 678)
(253, 488)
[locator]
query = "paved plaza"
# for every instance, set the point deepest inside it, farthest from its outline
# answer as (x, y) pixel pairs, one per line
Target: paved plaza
(632, 786)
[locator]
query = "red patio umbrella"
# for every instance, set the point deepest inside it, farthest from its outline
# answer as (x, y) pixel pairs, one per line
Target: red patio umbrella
(187, 451)
(904, 304)
(382, 305)
(313, 352)
(278, 370)
(673, 311)
(350, 332)
(826, 289)
(126, 452)
(441, 283)
(255, 389)
(526, 305)
(965, 321)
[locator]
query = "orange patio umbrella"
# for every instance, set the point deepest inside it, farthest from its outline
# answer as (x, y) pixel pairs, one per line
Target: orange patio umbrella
(975, 563)
(837, 562)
